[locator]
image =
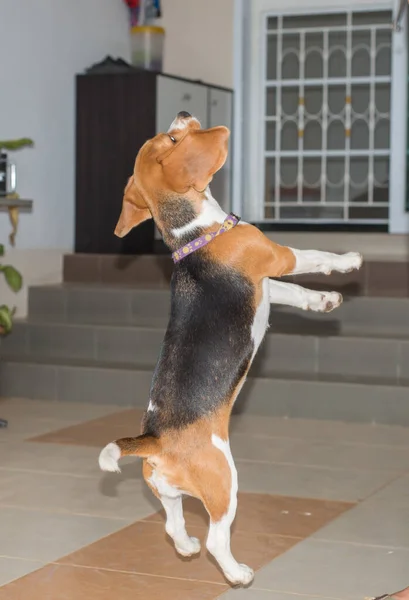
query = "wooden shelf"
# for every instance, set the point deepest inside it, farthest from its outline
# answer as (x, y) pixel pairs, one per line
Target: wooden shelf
(6, 203)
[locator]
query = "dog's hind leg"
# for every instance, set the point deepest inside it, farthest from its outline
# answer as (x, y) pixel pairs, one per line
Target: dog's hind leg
(176, 528)
(219, 495)
(171, 499)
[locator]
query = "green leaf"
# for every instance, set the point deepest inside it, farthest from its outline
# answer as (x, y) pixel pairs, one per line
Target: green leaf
(1, 250)
(13, 278)
(5, 319)
(16, 144)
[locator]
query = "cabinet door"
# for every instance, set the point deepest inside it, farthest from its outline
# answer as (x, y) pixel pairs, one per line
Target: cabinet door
(220, 113)
(110, 129)
(174, 95)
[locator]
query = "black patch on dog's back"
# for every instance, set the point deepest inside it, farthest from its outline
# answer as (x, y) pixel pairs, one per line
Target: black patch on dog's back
(207, 346)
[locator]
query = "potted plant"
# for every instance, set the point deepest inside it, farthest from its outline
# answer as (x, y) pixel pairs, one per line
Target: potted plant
(14, 281)
(12, 145)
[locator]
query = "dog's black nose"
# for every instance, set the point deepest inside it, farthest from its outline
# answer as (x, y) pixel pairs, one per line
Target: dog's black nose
(184, 115)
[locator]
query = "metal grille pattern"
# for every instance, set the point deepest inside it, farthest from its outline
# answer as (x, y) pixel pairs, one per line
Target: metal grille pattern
(327, 117)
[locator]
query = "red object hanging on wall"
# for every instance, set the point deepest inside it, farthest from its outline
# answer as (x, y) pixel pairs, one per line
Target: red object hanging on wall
(132, 3)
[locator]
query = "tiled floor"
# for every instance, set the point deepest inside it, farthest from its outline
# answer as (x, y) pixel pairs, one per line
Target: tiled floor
(323, 511)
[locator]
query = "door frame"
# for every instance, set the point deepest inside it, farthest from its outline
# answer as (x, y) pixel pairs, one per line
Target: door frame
(249, 61)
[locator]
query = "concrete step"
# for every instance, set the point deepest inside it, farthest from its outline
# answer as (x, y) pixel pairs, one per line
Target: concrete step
(379, 277)
(384, 358)
(124, 305)
(296, 396)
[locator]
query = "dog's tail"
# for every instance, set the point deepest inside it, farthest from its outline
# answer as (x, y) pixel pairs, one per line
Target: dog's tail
(143, 446)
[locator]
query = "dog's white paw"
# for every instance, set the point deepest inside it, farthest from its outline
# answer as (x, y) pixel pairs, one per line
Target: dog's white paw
(349, 262)
(242, 575)
(323, 301)
(189, 547)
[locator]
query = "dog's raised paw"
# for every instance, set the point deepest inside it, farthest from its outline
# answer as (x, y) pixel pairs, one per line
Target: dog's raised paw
(323, 301)
(352, 261)
(190, 547)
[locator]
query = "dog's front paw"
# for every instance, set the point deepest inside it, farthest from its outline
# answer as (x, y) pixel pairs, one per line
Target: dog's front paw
(242, 575)
(323, 301)
(351, 261)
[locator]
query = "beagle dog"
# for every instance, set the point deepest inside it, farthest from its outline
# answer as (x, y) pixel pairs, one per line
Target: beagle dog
(221, 291)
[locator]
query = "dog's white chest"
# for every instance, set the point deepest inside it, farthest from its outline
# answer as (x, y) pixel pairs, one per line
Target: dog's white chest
(260, 323)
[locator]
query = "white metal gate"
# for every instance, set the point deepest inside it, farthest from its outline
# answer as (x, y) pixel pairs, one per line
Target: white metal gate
(326, 125)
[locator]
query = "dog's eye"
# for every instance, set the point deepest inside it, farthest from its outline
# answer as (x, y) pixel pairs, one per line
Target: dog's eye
(172, 139)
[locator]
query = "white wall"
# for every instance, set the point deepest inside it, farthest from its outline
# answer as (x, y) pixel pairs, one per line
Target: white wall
(43, 44)
(199, 39)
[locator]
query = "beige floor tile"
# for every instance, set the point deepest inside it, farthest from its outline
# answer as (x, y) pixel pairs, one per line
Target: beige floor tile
(78, 461)
(13, 568)
(263, 448)
(56, 582)
(42, 536)
(382, 520)
(305, 429)
(336, 570)
(332, 454)
(356, 456)
(310, 482)
(113, 496)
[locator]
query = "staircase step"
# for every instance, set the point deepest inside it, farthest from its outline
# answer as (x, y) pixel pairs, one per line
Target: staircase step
(377, 278)
(98, 304)
(294, 396)
(384, 359)
(125, 305)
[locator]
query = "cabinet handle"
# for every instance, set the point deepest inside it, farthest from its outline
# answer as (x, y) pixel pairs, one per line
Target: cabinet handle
(186, 97)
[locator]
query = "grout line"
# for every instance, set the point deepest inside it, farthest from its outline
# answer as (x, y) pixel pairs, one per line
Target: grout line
(357, 544)
(296, 594)
(399, 356)
(313, 439)
(244, 461)
(141, 573)
(320, 467)
(382, 487)
(61, 511)
(53, 473)
(21, 559)
(317, 344)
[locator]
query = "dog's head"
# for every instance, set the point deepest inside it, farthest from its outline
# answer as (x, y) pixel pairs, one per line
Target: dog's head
(179, 162)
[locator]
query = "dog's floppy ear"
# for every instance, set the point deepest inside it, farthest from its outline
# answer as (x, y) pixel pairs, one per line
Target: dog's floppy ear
(193, 162)
(134, 210)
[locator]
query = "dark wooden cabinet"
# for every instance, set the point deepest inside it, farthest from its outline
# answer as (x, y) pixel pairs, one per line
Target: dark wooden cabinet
(116, 114)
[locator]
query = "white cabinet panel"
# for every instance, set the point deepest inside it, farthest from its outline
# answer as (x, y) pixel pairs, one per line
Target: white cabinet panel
(220, 110)
(174, 95)
(220, 113)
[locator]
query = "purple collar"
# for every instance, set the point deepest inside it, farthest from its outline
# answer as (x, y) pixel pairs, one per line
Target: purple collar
(230, 221)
